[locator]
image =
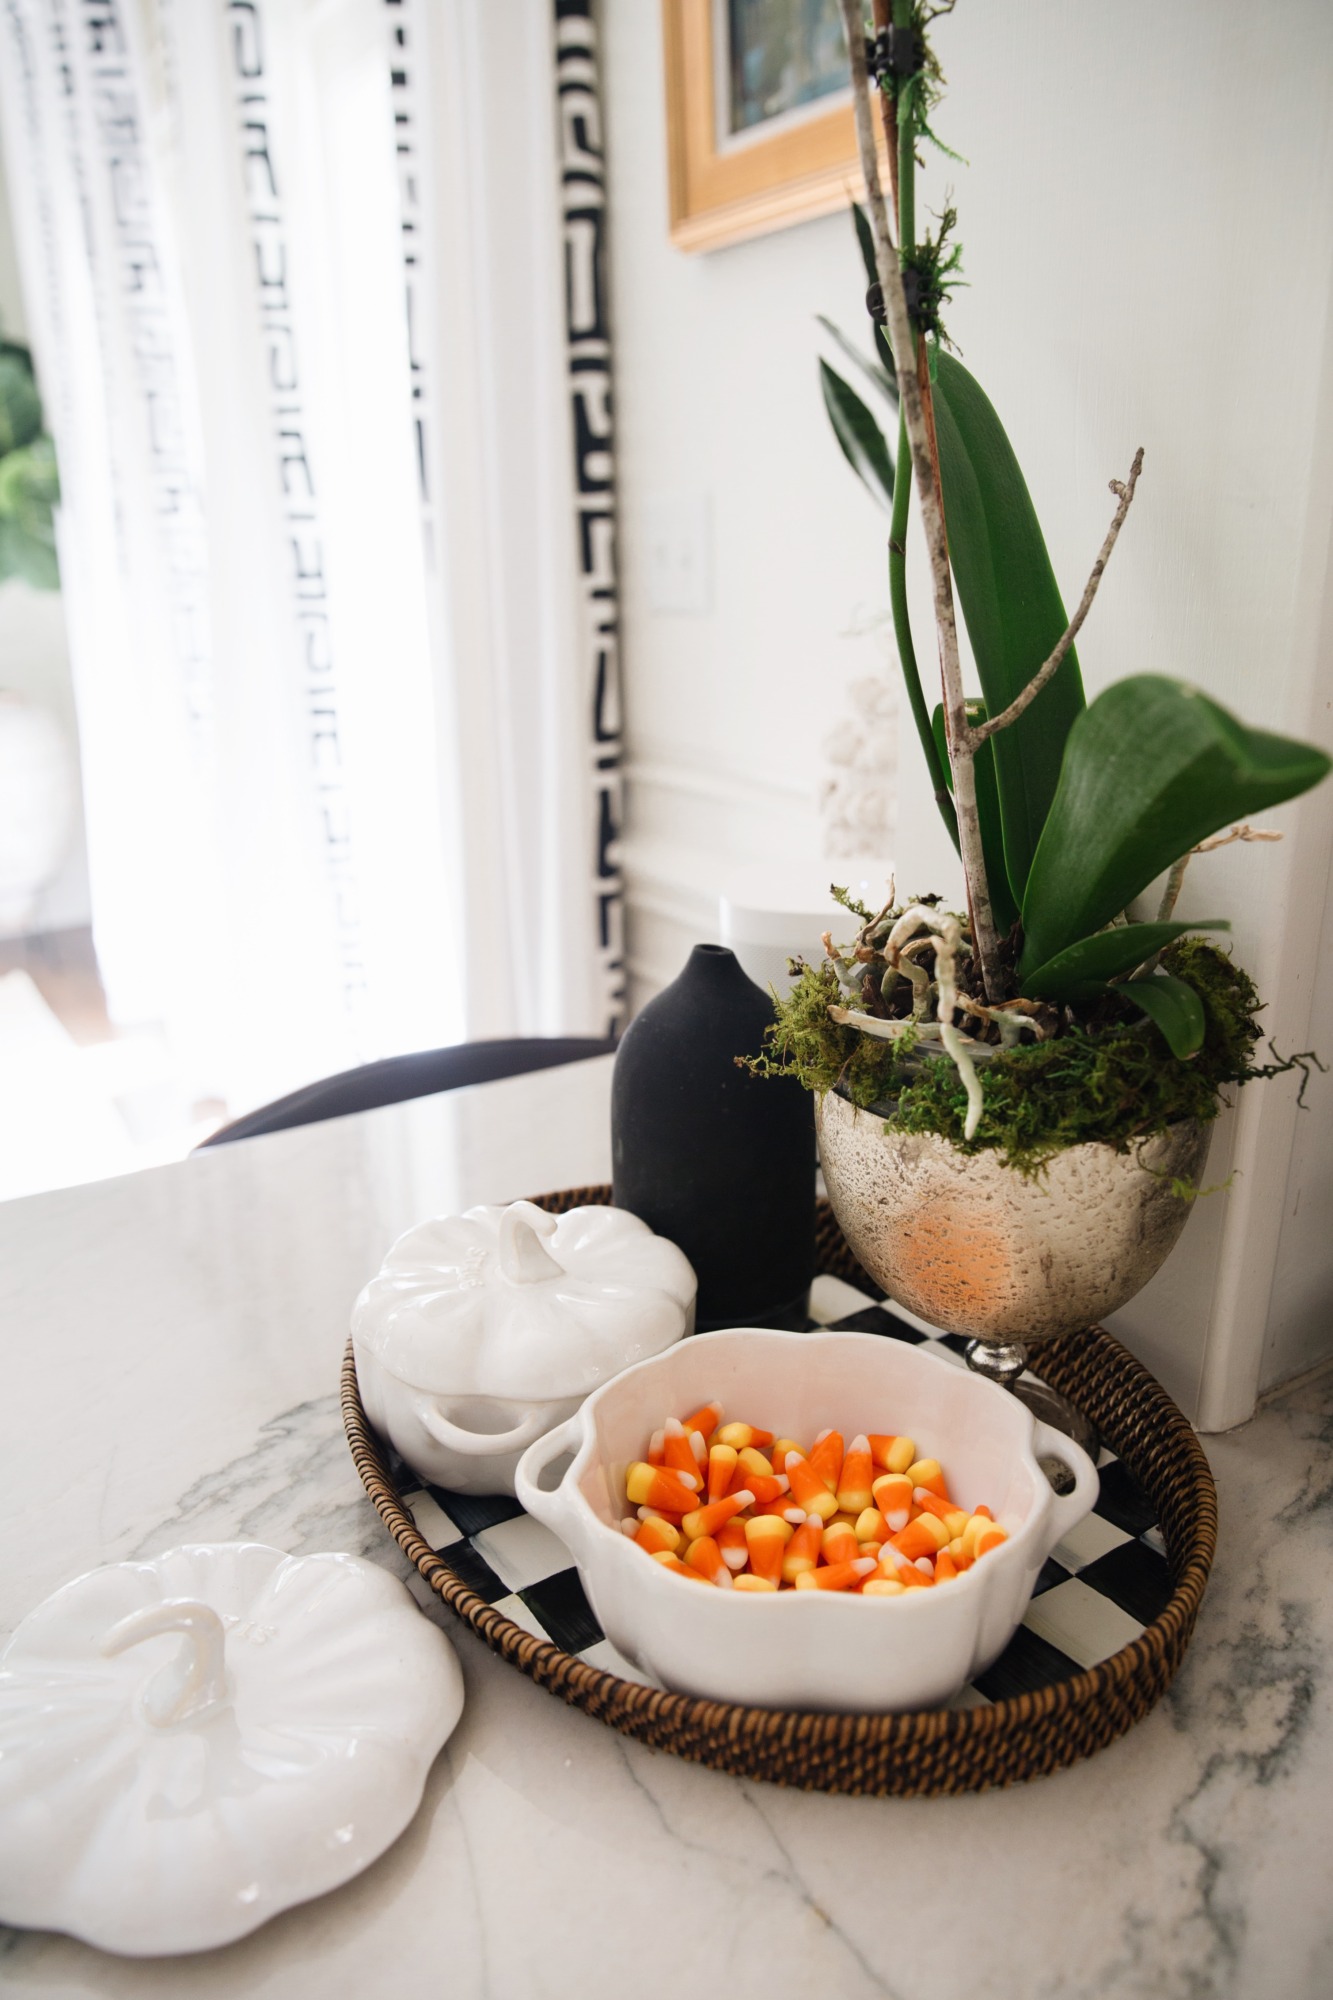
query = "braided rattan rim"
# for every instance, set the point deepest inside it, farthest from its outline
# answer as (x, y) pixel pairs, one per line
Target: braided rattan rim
(913, 1755)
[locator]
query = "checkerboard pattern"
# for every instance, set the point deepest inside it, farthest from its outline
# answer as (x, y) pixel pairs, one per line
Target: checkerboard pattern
(1097, 1591)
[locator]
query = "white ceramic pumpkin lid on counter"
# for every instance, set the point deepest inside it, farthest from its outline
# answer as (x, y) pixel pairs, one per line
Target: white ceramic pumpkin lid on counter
(191, 1744)
(518, 1303)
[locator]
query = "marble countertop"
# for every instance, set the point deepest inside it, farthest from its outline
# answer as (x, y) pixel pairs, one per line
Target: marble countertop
(172, 1343)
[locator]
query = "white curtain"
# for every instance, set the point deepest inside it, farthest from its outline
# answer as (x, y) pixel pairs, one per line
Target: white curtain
(295, 272)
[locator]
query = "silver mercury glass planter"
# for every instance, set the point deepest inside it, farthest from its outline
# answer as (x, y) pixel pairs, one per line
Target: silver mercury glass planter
(977, 1248)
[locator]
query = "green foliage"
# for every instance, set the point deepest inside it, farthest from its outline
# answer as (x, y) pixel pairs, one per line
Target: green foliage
(859, 435)
(1105, 956)
(29, 486)
(1229, 999)
(1011, 604)
(1080, 808)
(865, 237)
(803, 1042)
(1111, 1078)
(879, 335)
(917, 96)
(1150, 769)
(878, 376)
(1174, 1006)
(936, 262)
(20, 404)
(1003, 906)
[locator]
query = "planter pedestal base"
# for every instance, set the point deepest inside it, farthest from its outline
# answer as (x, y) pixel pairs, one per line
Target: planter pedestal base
(1004, 1362)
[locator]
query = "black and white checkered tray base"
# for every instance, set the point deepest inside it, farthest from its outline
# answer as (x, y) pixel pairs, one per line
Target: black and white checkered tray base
(1096, 1593)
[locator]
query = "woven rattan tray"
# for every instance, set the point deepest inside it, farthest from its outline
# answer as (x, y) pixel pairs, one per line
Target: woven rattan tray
(914, 1755)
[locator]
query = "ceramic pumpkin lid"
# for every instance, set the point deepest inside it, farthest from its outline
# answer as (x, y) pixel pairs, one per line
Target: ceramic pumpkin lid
(514, 1302)
(191, 1744)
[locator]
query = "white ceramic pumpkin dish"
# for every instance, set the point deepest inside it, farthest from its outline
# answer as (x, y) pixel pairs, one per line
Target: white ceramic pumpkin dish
(191, 1744)
(810, 1649)
(483, 1330)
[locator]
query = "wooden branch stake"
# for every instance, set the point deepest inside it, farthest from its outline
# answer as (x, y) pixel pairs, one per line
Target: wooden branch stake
(1051, 666)
(903, 337)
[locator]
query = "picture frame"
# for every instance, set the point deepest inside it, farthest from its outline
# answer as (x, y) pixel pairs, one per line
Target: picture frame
(728, 184)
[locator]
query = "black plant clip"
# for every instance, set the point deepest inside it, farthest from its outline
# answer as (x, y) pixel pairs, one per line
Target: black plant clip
(895, 54)
(913, 290)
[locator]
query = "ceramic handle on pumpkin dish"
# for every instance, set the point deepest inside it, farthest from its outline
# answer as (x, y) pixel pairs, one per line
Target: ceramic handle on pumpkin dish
(477, 1444)
(1067, 1509)
(553, 1509)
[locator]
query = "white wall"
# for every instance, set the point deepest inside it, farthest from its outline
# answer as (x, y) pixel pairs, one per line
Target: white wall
(718, 396)
(1147, 220)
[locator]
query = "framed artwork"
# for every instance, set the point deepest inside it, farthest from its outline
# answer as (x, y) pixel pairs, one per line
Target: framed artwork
(759, 117)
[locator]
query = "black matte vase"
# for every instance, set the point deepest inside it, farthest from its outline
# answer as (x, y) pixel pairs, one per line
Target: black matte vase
(718, 1160)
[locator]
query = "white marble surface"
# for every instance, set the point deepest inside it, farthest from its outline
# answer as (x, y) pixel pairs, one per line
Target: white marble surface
(171, 1345)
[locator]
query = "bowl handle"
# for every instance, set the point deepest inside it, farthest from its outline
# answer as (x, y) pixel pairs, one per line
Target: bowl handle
(477, 1444)
(1067, 1509)
(555, 1510)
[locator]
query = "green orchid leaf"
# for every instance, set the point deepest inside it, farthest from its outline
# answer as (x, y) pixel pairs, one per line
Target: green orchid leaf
(1174, 1006)
(1105, 956)
(878, 377)
(1150, 769)
(1003, 907)
(860, 436)
(1011, 603)
(865, 238)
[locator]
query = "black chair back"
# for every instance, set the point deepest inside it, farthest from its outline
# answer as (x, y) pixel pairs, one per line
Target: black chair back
(398, 1078)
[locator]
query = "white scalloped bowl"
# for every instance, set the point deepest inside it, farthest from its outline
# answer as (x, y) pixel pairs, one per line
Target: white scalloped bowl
(810, 1649)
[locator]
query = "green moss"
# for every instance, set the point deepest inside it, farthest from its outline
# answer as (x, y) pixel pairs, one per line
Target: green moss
(1110, 1078)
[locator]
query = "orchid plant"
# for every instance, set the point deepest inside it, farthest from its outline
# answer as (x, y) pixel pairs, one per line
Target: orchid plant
(1063, 812)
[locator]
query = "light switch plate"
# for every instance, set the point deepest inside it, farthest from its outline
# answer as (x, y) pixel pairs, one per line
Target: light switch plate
(678, 552)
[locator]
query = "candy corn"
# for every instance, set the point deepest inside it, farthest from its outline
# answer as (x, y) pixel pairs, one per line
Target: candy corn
(707, 1520)
(892, 1454)
(764, 1486)
(825, 1458)
(657, 1486)
(926, 1472)
(721, 1466)
(809, 1488)
(705, 1556)
(893, 1497)
(954, 1518)
(728, 1505)
(802, 1551)
(837, 1576)
(767, 1538)
(840, 1543)
(677, 1447)
(731, 1540)
(923, 1537)
(854, 1481)
(705, 1420)
(678, 1568)
(655, 1535)
(740, 1435)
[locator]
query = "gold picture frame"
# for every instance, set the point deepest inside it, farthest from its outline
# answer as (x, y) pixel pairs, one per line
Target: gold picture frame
(723, 192)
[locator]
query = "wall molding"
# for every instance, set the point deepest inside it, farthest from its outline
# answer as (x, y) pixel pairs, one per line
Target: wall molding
(722, 787)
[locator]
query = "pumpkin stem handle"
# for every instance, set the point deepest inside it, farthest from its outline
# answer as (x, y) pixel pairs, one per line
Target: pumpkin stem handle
(522, 1259)
(197, 1678)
